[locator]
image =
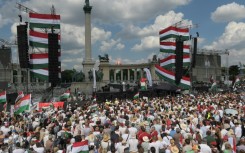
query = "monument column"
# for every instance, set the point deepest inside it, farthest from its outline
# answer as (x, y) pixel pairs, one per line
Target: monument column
(88, 63)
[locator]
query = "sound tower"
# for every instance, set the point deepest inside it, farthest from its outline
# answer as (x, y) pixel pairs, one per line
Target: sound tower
(53, 59)
(178, 61)
(193, 63)
(22, 46)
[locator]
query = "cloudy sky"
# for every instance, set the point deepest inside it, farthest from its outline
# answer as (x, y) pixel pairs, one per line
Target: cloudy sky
(127, 30)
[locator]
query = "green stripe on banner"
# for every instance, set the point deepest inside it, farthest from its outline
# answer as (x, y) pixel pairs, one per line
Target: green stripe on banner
(39, 76)
(39, 66)
(183, 38)
(183, 86)
(41, 25)
(169, 66)
(171, 51)
(2, 100)
(39, 45)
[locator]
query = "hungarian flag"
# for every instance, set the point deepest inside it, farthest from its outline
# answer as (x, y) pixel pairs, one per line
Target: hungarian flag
(174, 32)
(214, 86)
(44, 21)
(3, 98)
(23, 104)
(39, 39)
(170, 47)
(39, 65)
(78, 147)
(137, 95)
(143, 83)
(65, 95)
(20, 95)
(170, 77)
(237, 81)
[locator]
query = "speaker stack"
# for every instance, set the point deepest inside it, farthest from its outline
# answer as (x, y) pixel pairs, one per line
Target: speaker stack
(178, 61)
(23, 46)
(53, 58)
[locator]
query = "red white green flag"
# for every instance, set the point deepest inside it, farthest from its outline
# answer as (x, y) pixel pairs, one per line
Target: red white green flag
(169, 61)
(23, 104)
(170, 47)
(39, 65)
(65, 95)
(20, 95)
(174, 32)
(44, 21)
(39, 39)
(170, 77)
(3, 98)
(82, 146)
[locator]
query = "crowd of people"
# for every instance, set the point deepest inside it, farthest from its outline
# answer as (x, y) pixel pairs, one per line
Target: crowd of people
(203, 123)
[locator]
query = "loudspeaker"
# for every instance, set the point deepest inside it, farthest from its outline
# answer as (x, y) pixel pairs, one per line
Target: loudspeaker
(23, 46)
(53, 58)
(193, 63)
(178, 61)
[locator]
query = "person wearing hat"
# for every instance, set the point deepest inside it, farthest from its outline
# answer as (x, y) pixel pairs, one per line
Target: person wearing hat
(172, 147)
(145, 144)
(105, 143)
(143, 133)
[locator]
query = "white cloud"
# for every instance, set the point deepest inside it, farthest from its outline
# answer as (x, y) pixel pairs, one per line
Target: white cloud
(161, 21)
(149, 42)
(228, 12)
(127, 11)
(150, 34)
(233, 40)
(111, 44)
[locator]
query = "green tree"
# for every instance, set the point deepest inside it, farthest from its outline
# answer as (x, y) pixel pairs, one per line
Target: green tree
(66, 75)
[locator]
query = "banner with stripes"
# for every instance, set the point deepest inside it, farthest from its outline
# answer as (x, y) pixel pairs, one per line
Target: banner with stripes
(170, 77)
(44, 21)
(170, 47)
(169, 61)
(174, 32)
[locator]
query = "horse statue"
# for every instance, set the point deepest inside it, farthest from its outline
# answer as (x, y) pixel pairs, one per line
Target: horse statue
(104, 58)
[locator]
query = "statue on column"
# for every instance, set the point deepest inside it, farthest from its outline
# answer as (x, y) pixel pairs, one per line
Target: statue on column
(87, 2)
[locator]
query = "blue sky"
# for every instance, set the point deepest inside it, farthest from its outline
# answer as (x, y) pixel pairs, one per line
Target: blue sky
(127, 30)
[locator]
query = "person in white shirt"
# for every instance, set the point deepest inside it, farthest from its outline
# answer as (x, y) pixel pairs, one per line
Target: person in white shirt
(122, 146)
(204, 148)
(18, 149)
(133, 143)
(155, 144)
(132, 129)
(238, 132)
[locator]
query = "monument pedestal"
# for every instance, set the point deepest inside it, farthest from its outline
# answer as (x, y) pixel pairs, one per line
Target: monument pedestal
(87, 66)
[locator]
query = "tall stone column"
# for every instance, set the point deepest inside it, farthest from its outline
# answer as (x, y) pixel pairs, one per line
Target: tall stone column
(88, 63)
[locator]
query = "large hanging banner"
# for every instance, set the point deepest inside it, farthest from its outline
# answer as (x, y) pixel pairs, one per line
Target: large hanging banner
(50, 104)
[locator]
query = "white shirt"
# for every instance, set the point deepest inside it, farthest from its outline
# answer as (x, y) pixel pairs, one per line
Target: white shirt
(132, 130)
(167, 139)
(5, 130)
(133, 143)
(19, 150)
(238, 131)
(156, 145)
(205, 148)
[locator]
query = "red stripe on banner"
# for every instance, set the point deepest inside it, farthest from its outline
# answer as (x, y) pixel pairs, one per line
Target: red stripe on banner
(44, 16)
(168, 43)
(40, 34)
(79, 144)
(175, 29)
(38, 56)
(186, 46)
(170, 72)
(167, 58)
(173, 57)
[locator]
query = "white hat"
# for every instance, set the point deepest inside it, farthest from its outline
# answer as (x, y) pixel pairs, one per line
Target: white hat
(146, 139)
